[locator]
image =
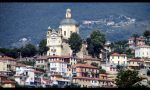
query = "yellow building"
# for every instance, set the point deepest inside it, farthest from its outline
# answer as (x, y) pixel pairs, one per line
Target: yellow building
(68, 25)
(7, 64)
(118, 59)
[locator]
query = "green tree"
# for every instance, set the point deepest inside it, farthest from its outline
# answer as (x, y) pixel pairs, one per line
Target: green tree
(146, 34)
(94, 64)
(75, 42)
(135, 36)
(28, 51)
(42, 47)
(102, 71)
(95, 43)
(120, 46)
(127, 78)
(148, 72)
(10, 52)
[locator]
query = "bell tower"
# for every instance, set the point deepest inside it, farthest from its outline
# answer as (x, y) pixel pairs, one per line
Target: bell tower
(68, 13)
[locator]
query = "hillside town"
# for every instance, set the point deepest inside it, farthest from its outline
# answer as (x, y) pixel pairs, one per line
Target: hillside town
(72, 62)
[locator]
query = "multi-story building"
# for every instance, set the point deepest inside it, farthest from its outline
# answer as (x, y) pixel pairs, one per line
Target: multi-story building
(139, 41)
(88, 76)
(5, 82)
(135, 63)
(41, 62)
(118, 59)
(142, 51)
(85, 70)
(7, 64)
(21, 73)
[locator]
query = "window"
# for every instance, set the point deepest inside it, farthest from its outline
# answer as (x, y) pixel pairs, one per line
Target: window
(124, 62)
(118, 62)
(133, 62)
(112, 57)
(38, 61)
(118, 57)
(64, 33)
(70, 32)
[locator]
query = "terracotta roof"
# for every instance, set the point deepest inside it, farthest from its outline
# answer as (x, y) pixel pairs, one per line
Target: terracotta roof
(143, 46)
(42, 57)
(85, 66)
(89, 78)
(135, 60)
(7, 58)
(21, 65)
(8, 81)
(116, 54)
(89, 59)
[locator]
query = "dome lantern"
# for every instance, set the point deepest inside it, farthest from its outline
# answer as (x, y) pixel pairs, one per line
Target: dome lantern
(68, 13)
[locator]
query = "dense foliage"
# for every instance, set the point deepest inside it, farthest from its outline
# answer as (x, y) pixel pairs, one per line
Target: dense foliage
(28, 51)
(127, 78)
(94, 64)
(75, 42)
(42, 47)
(146, 34)
(95, 43)
(102, 71)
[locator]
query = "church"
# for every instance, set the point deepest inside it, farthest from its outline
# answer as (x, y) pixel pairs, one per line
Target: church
(56, 39)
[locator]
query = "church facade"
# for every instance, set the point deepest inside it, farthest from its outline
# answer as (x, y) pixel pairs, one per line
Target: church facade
(55, 38)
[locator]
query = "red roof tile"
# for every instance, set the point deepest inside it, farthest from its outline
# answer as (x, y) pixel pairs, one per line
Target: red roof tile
(90, 78)
(21, 65)
(143, 46)
(85, 66)
(135, 60)
(7, 58)
(8, 81)
(116, 54)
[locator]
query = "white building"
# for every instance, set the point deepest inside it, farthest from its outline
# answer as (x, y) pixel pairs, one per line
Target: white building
(142, 51)
(54, 42)
(139, 41)
(58, 66)
(68, 25)
(26, 75)
(118, 59)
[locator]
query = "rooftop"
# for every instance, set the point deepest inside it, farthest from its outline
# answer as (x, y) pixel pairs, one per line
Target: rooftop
(69, 21)
(90, 78)
(7, 58)
(117, 54)
(85, 66)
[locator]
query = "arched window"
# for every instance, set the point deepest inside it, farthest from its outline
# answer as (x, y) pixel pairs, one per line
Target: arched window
(64, 33)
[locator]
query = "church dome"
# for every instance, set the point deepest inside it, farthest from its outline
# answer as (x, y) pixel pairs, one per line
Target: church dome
(69, 21)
